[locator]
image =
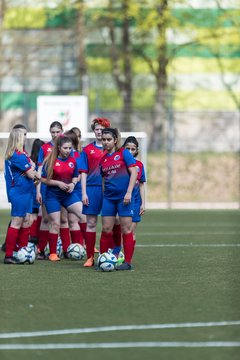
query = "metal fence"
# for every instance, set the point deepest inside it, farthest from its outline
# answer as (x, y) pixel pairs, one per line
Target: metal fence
(200, 165)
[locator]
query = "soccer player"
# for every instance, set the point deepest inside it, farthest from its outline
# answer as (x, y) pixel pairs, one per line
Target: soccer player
(7, 174)
(20, 194)
(60, 174)
(55, 129)
(91, 182)
(77, 228)
(119, 172)
(37, 143)
(132, 145)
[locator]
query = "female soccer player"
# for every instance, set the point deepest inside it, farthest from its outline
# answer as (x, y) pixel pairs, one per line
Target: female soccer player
(55, 129)
(37, 143)
(20, 193)
(132, 145)
(60, 174)
(77, 229)
(7, 174)
(91, 182)
(119, 172)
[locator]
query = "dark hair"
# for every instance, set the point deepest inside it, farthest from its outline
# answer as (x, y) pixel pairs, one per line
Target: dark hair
(133, 140)
(19, 126)
(115, 134)
(57, 124)
(35, 149)
(74, 138)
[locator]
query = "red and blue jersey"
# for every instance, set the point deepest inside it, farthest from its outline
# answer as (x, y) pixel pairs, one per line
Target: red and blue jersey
(89, 164)
(77, 155)
(63, 170)
(17, 183)
(45, 149)
(141, 178)
(114, 169)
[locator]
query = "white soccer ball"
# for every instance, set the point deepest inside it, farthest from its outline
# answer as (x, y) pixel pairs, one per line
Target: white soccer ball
(75, 251)
(47, 251)
(33, 246)
(59, 247)
(26, 255)
(120, 258)
(107, 261)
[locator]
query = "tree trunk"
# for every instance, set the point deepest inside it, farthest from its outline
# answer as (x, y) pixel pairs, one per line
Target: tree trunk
(82, 66)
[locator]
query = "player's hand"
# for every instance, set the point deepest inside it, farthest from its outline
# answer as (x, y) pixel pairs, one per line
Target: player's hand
(71, 187)
(127, 198)
(142, 210)
(39, 198)
(85, 200)
(63, 186)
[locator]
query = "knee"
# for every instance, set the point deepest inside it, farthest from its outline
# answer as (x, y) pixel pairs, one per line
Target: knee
(54, 226)
(106, 228)
(91, 225)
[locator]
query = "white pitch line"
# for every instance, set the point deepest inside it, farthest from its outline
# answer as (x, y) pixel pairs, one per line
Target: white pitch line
(178, 233)
(187, 245)
(116, 328)
(118, 345)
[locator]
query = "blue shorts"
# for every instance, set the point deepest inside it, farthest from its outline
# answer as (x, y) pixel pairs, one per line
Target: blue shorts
(54, 203)
(43, 192)
(21, 204)
(78, 191)
(95, 196)
(114, 207)
(136, 209)
(36, 205)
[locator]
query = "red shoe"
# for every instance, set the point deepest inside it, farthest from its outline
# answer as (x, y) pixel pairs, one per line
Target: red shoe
(89, 262)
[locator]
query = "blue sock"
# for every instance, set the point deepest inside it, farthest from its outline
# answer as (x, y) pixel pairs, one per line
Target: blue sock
(116, 250)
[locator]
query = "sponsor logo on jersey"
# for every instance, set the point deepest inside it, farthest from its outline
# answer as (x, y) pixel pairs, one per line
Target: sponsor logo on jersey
(116, 157)
(92, 152)
(58, 164)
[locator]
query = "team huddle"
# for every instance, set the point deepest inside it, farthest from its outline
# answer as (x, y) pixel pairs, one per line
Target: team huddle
(60, 190)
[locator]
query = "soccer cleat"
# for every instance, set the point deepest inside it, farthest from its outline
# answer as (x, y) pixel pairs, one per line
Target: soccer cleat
(89, 262)
(41, 256)
(54, 257)
(65, 255)
(124, 266)
(96, 251)
(33, 240)
(10, 260)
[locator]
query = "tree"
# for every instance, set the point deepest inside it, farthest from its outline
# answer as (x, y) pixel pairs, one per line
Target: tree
(83, 71)
(116, 19)
(2, 11)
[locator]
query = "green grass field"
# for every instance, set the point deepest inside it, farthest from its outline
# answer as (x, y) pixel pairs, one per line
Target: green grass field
(181, 302)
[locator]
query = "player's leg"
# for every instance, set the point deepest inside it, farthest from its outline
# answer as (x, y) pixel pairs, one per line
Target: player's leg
(12, 238)
(64, 230)
(54, 226)
(74, 228)
(125, 213)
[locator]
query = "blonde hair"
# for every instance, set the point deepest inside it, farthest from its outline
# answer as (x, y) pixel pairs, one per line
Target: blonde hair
(15, 142)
